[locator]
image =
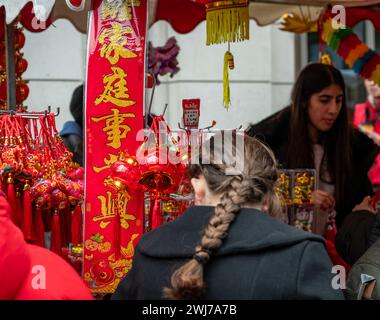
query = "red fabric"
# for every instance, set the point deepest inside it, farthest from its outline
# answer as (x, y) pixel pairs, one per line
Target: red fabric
(356, 15)
(18, 262)
(359, 118)
(336, 259)
(183, 15)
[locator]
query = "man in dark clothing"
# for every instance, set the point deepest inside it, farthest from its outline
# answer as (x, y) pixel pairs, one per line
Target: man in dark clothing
(360, 230)
(72, 132)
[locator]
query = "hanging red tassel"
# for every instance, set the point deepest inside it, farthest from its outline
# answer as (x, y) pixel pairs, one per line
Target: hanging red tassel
(68, 217)
(56, 240)
(62, 224)
(76, 226)
(27, 224)
(156, 214)
(116, 229)
(18, 215)
(39, 227)
(11, 195)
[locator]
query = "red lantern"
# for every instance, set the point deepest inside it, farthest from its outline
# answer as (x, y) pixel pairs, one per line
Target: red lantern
(22, 92)
(125, 173)
(3, 89)
(2, 59)
(19, 39)
(21, 66)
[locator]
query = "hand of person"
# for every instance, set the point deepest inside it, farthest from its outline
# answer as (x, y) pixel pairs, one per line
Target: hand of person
(365, 205)
(323, 200)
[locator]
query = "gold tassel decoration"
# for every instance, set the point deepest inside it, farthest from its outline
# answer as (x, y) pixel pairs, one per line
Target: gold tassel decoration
(227, 21)
(228, 64)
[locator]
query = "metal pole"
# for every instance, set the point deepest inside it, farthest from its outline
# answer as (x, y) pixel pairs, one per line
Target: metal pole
(10, 62)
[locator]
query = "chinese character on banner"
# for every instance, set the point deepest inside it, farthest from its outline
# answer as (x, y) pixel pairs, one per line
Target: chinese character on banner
(115, 89)
(114, 82)
(108, 163)
(114, 41)
(119, 10)
(191, 113)
(114, 127)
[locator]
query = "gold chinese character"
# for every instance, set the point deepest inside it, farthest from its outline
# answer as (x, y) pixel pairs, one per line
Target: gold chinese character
(113, 41)
(109, 162)
(107, 209)
(119, 10)
(116, 10)
(115, 89)
(114, 127)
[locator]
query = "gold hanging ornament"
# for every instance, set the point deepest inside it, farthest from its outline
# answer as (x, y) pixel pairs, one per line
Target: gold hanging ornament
(293, 22)
(228, 64)
(227, 21)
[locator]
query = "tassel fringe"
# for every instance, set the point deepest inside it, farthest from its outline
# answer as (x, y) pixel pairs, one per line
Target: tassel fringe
(227, 23)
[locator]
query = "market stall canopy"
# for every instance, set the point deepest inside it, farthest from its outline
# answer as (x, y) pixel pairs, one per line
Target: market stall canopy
(34, 12)
(189, 13)
(183, 15)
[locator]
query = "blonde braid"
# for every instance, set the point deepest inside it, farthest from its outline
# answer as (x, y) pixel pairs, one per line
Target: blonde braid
(260, 174)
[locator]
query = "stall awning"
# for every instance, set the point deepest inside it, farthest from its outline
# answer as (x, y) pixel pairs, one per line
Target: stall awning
(47, 10)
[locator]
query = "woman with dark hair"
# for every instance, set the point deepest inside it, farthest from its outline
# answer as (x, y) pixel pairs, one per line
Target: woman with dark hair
(314, 132)
(229, 245)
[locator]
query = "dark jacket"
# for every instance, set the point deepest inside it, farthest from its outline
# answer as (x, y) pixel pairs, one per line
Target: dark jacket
(72, 136)
(261, 258)
(360, 230)
(274, 131)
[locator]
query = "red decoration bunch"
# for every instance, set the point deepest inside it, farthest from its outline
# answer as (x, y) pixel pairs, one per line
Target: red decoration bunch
(44, 186)
(21, 65)
(153, 171)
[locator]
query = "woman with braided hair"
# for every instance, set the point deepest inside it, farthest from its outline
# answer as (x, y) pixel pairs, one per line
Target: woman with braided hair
(230, 245)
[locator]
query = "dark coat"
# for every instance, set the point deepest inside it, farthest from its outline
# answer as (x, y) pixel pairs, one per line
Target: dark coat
(360, 230)
(274, 131)
(261, 258)
(72, 137)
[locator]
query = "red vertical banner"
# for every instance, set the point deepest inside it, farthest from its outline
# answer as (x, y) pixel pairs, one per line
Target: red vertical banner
(114, 115)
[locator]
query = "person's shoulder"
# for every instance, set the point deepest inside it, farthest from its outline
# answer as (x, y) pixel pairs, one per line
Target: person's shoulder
(362, 143)
(62, 281)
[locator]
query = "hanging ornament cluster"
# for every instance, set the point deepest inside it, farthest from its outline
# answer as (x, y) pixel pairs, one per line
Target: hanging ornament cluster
(227, 21)
(43, 186)
(21, 65)
(356, 54)
(156, 174)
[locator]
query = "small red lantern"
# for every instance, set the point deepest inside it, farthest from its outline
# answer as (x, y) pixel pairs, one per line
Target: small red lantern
(21, 66)
(125, 173)
(3, 88)
(22, 92)
(19, 39)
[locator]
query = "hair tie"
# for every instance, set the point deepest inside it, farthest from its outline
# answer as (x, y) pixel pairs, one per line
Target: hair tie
(200, 259)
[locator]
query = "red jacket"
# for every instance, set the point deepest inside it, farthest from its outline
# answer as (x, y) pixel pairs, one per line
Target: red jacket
(28, 272)
(366, 113)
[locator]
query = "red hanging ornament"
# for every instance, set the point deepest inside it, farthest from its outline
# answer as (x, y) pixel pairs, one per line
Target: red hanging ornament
(27, 224)
(22, 92)
(39, 227)
(125, 173)
(11, 196)
(56, 239)
(19, 39)
(77, 226)
(21, 66)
